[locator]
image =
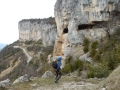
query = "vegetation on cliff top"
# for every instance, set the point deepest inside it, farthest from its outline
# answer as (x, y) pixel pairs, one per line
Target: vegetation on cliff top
(50, 20)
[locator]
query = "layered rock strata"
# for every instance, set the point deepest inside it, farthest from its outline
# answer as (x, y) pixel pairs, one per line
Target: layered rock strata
(35, 29)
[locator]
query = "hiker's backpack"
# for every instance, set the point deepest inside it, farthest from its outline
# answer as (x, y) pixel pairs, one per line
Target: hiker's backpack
(54, 64)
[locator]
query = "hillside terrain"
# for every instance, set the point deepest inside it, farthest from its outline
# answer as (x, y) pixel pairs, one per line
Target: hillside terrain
(83, 76)
(86, 33)
(30, 56)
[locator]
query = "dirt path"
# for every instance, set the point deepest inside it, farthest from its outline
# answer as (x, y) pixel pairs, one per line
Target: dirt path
(10, 69)
(26, 53)
(69, 86)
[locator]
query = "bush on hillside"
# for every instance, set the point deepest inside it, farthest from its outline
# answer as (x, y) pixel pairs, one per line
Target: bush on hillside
(86, 45)
(97, 57)
(117, 33)
(94, 45)
(93, 48)
(86, 49)
(111, 60)
(67, 69)
(85, 42)
(92, 52)
(98, 71)
(29, 42)
(77, 64)
(72, 66)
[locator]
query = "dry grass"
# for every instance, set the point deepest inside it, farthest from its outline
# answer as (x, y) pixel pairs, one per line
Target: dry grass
(8, 70)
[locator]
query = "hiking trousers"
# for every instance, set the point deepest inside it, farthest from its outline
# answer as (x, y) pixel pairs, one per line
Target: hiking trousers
(58, 74)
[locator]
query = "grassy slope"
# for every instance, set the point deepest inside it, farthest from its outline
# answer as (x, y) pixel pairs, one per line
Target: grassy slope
(113, 80)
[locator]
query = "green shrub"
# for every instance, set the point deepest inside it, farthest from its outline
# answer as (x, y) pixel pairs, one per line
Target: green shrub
(86, 49)
(77, 64)
(86, 42)
(71, 66)
(67, 69)
(98, 71)
(111, 60)
(117, 50)
(94, 45)
(92, 52)
(31, 63)
(117, 31)
(97, 57)
(93, 49)
(86, 45)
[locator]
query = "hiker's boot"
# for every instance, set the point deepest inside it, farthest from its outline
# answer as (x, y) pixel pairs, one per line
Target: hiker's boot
(56, 81)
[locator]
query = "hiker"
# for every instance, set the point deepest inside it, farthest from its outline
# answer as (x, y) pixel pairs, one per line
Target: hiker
(57, 68)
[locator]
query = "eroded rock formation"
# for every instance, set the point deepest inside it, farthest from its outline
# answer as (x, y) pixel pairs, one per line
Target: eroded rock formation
(75, 20)
(35, 29)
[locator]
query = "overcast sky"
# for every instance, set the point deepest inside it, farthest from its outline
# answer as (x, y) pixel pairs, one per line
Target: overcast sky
(12, 11)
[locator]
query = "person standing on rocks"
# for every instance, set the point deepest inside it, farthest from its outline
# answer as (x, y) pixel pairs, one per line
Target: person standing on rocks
(57, 66)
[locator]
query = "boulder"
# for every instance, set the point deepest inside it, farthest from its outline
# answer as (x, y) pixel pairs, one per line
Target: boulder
(86, 57)
(103, 89)
(47, 74)
(5, 83)
(24, 78)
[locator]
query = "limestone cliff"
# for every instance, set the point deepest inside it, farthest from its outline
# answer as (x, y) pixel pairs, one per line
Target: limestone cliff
(35, 29)
(75, 20)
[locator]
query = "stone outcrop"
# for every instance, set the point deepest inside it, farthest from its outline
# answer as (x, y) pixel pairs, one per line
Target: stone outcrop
(47, 74)
(35, 29)
(5, 83)
(24, 78)
(86, 57)
(77, 19)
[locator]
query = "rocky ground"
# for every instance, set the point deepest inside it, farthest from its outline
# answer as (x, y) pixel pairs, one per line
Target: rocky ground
(69, 86)
(65, 83)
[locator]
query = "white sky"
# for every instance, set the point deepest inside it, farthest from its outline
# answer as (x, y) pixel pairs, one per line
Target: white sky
(12, 11)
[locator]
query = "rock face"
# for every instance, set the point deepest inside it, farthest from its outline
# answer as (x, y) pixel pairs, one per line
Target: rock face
(35, 29)
(75, 20)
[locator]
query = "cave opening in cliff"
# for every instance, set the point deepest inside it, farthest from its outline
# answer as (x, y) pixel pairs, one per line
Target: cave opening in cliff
(85, 26)
(65, 30)
(100, 24)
